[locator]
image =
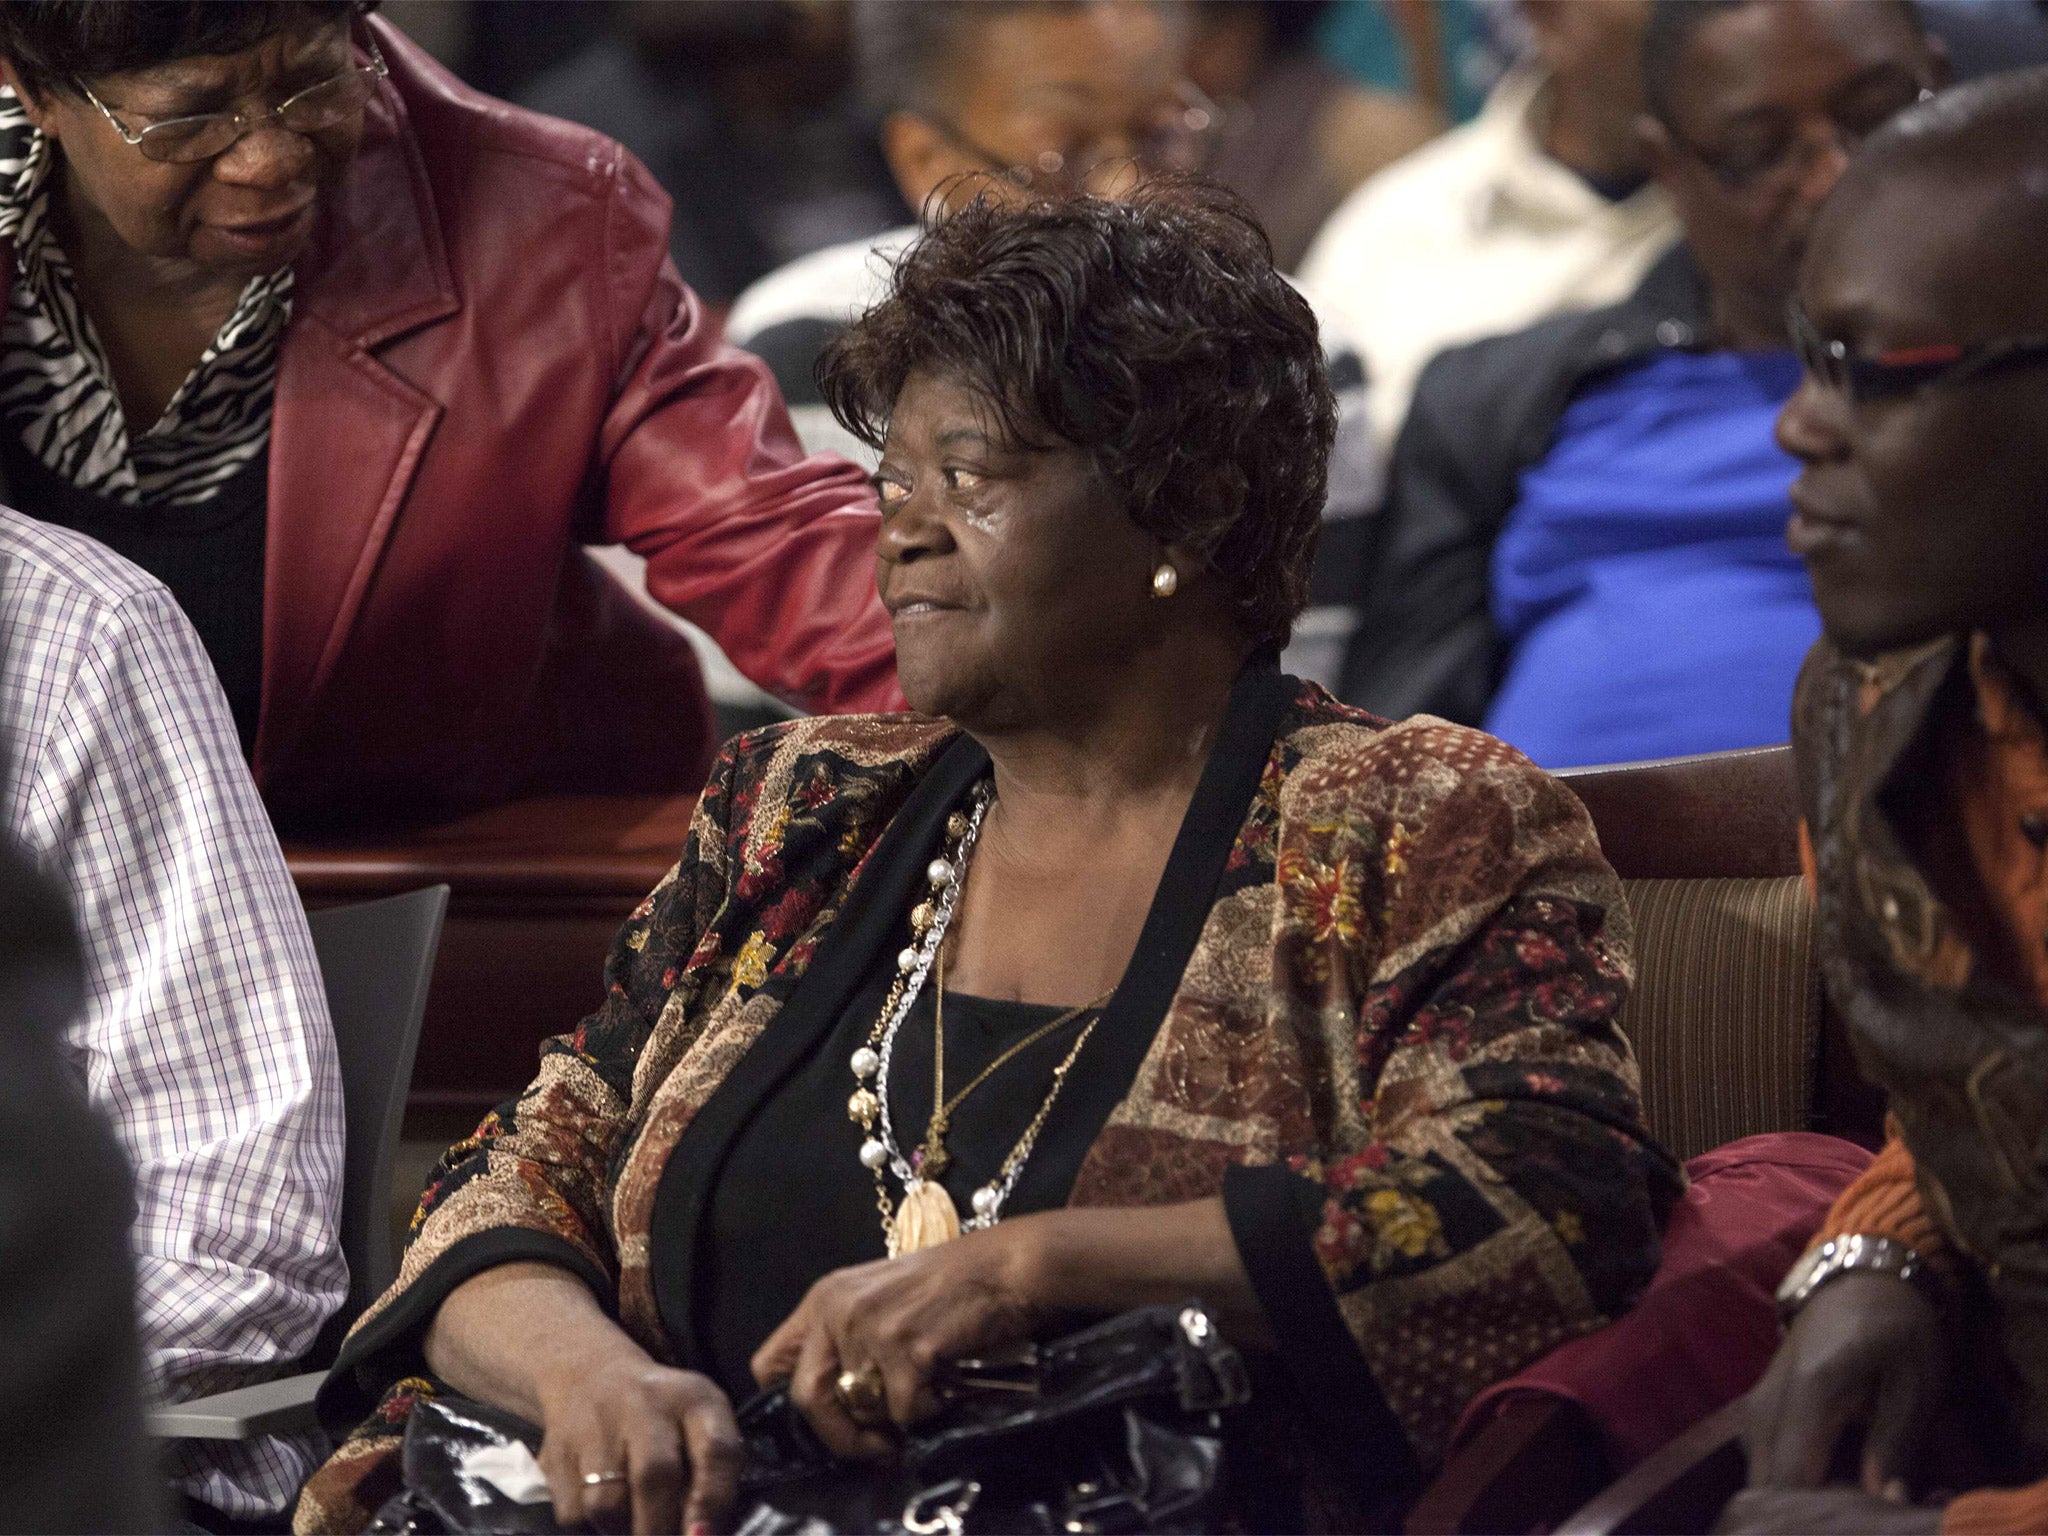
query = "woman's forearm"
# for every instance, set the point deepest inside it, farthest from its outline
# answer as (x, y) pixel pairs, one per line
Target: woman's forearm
(1113, 1260)
(505, 1335)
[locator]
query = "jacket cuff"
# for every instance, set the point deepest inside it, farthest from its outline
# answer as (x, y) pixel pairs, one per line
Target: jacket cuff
(1884, 1201)
(1273, 1215)
(391, 1346)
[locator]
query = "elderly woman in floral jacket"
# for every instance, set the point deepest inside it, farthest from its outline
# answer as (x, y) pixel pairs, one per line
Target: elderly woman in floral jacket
(1129, 970)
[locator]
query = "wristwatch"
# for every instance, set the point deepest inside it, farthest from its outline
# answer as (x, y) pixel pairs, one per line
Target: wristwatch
(1855, 1252)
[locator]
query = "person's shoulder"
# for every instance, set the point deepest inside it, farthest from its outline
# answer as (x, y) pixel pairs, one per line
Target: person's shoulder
(1322, 731)
(466, 137)
(829, 287)
(842, 775)
(1401, 768)
(1509, 352)
(1422, 178)
(1493, 381)
(86, 576)
(69, 606)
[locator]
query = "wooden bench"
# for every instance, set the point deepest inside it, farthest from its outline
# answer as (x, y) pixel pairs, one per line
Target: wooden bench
(538, 890)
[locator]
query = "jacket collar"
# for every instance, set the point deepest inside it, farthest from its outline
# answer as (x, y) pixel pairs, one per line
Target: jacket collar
(1670, 308)
(1893, 709)
(377, 265)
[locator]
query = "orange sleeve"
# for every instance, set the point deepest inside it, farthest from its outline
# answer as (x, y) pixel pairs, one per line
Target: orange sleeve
(1997, 1512)
(1809, 866)
(1885, 1202)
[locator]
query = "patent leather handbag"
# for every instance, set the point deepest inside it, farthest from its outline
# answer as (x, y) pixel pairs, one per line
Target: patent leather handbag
(1116, 1428)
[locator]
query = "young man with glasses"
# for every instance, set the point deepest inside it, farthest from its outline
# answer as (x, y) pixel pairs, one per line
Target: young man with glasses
(1918, 1322)
(1582, 548)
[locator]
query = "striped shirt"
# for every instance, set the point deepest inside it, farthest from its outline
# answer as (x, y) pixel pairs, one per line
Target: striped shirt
(204, 1038)
(56, 387)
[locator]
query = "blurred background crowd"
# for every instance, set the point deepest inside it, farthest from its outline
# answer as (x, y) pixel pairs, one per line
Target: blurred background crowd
(1432, 171)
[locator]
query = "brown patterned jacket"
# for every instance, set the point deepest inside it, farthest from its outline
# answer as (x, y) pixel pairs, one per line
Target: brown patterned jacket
(1374, 1005)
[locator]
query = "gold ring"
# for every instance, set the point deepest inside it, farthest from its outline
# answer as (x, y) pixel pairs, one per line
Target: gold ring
(863, 1395)
(599, 1479)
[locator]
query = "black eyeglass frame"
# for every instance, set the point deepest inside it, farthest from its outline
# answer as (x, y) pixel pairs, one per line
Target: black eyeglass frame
(1200, 120)
(1904, 370)
(1744, 180)
(244, 123)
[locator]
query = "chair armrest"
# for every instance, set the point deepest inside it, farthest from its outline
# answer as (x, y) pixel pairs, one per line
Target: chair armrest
(1683, 1487)
(280, 1407)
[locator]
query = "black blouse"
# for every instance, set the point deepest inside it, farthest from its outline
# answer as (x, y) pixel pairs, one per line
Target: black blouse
(210, 555)
(780, 1220)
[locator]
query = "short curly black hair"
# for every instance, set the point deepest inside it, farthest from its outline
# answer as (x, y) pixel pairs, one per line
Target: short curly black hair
(1154, 334)
(56, 43)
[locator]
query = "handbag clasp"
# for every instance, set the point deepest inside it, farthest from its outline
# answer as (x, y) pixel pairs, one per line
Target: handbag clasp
(941, 1510)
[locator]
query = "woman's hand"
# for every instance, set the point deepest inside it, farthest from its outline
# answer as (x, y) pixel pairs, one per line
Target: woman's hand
(670, 1432)
(1865, 1349)
(531, 1338)
(904, 1316)
(991, 1289)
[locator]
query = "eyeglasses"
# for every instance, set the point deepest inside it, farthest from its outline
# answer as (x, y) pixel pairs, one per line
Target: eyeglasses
(1902, 370)
(1178, 142)
(327, 104)
(1782, 155)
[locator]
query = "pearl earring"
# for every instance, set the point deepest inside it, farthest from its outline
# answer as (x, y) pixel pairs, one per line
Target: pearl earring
(1165, 580)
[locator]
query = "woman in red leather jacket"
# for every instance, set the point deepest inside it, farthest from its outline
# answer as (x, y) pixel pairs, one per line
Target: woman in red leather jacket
(357, 361)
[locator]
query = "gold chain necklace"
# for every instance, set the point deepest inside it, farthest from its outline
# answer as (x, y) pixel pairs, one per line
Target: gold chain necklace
(927, 1216)
(932, 1159)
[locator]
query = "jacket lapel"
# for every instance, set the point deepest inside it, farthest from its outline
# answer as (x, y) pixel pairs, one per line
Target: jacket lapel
(1180, 909)
(347, 433)
(850, 949)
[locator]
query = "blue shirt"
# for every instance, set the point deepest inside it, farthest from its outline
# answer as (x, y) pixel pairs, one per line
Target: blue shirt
(1642, 582)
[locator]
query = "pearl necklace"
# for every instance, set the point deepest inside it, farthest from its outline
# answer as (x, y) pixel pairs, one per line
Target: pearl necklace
(927, 1215)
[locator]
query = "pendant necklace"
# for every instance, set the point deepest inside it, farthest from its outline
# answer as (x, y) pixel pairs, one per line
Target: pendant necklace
(927, 1216)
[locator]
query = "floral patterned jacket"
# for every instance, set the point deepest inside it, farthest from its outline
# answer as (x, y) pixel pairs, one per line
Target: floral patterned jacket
(1374, 1005)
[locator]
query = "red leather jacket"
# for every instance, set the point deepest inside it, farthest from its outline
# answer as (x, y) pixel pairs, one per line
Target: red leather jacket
(491, 362)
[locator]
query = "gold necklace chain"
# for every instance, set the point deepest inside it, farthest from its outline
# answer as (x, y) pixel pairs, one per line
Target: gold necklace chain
(927, 1215)
(933, 1158)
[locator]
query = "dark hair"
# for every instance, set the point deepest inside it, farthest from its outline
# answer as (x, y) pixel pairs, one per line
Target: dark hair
(1671, 28)
(1154, 335)
(53, 43)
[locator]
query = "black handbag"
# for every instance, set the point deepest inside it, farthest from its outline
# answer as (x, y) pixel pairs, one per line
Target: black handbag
(1118, 1427)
